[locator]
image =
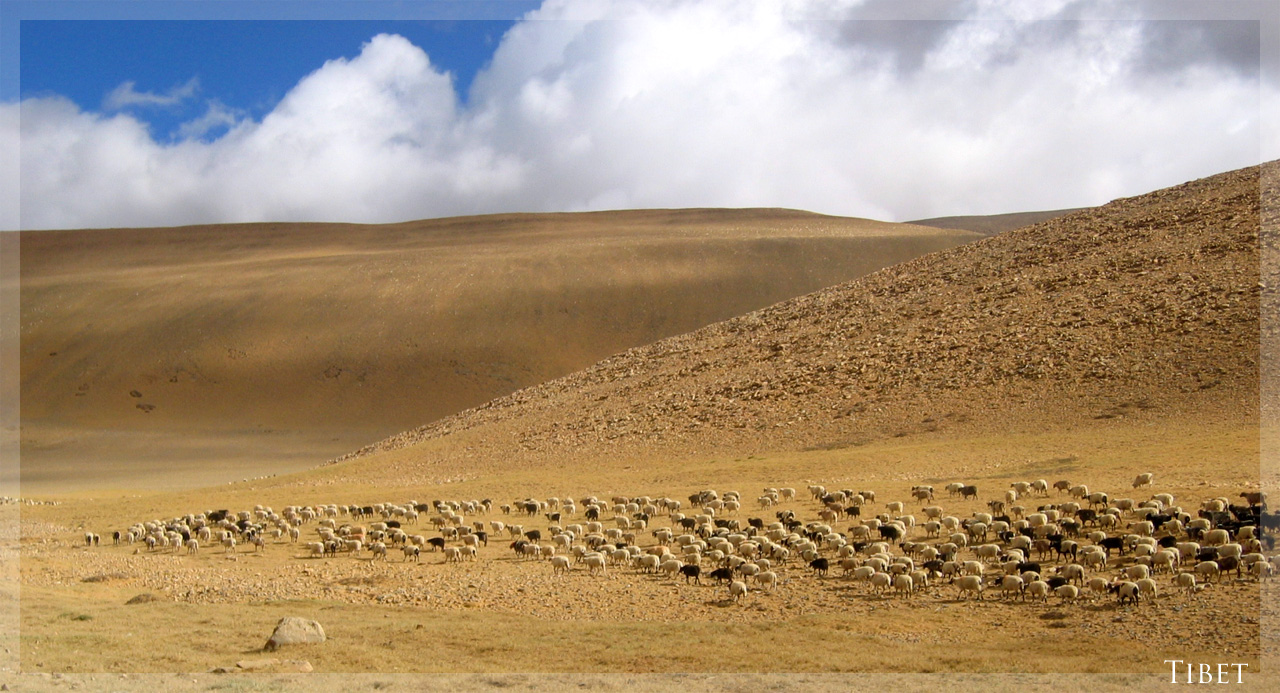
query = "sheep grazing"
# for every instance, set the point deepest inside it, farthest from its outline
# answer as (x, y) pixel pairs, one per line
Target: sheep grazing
(820, 566)
(594, 562)
(1067, 593)
(560, 564)
(880, 582)
(1011, 585)
(1185, 581)
(691, 572)
(768, 580)
(1125, 591)
(737, 590)
(1038, 589)
(903, 585)
(1254, 497)
(970, 583)
(1143, 479)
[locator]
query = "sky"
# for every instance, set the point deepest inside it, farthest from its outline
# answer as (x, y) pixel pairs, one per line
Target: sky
(172, 113)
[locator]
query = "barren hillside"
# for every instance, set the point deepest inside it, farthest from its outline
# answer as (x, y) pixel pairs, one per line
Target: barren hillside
(1145, 307)
(195, 352)
(992, 224)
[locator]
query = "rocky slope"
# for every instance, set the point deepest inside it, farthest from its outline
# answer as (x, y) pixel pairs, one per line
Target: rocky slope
(1147, 306)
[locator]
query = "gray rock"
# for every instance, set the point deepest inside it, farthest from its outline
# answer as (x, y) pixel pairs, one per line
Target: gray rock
(293, 630)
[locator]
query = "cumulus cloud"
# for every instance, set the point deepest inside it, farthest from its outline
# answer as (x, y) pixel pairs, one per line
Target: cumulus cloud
(127, 95)
(825, 106)
(216, 116)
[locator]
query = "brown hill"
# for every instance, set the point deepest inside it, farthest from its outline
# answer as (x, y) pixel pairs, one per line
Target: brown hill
(991, 224)
(1145, 307)
(152, 354)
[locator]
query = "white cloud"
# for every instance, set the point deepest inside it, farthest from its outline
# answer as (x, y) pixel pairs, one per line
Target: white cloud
(216, 116)
(127, 95)
(591, 105)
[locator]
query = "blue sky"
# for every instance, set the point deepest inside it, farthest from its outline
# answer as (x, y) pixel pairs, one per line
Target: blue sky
(180, 112)
(247, 66)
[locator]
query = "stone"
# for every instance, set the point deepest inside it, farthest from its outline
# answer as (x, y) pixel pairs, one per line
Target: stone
(293, 630)
(256, 664)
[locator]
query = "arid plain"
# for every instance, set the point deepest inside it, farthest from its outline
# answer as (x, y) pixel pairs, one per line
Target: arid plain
(638, 354)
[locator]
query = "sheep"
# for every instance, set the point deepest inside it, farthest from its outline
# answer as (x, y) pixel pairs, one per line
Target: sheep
(1098, 586)
(1125, 591)
(767, 580)
(560, 564)
(970, 583)
(1208, 570)
(452, 554)
(1143, 479)
(1187, 581)
(903, 585)
(594, 562)
(1067, 593)
(1147, 589)
(820, 566)
(1038, 589)
(987, 552)
(193, 546)
(315, 549)
(412, 551)
(1261, 570)
(737, 590)
(1011, 584)
(881, 582)
(1216, 537)
(1137, 572)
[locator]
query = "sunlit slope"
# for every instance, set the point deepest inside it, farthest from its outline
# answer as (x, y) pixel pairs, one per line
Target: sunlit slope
(251, 345)
(1147, 307)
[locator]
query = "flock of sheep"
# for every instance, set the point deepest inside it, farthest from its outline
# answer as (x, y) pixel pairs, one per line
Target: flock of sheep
(1033, 541)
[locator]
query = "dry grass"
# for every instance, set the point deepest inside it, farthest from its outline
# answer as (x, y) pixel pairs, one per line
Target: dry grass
(401, 617)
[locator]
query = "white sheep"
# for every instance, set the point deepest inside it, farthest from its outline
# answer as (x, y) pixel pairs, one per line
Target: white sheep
(970, 583)
(903, 585)
(1039, 589)
(560, 564)
(767, 580)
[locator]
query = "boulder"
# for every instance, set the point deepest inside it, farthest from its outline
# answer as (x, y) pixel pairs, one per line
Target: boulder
(293, 630)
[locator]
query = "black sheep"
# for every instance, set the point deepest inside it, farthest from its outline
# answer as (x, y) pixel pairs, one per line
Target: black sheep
(820, 566)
